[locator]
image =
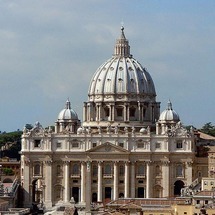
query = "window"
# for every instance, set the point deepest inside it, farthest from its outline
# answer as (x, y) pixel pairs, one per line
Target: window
(197, 201)
(37, 143)
(157, 170)
(206, 202)
(107, 169)
(75, 169)
(107, 111)
(58, 145)
(121, 145)
(121, 181)
(140, 145)
(75, 181)
(95, 170)
(157, 145)
(141, 170)
(179, 144)
(121, 170)
(58, 170)
(179, 171)
(37, 169)
(140, 181)
(94, 145)
(132, 112)
(75, 144)
(94, 181)
(119, 111)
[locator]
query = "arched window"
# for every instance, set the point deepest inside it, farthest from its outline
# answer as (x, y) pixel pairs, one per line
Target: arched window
(75, 169)
(107, 169)
(37, 169)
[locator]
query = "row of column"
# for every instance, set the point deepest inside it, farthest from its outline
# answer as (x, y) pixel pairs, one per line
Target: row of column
(90, 111)
(129, 182)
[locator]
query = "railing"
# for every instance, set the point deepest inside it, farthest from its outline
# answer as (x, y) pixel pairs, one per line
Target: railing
(16, 211)
(107, 175)
(140, 175)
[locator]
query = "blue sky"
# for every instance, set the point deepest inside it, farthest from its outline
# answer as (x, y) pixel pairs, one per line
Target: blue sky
(49, 50)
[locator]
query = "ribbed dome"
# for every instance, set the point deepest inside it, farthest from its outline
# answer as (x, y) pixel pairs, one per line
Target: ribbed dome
(169, 115)
(67, 113)
(121, 75)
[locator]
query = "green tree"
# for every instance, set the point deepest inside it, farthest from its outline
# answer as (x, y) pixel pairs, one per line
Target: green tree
(8, 171)
(208, 128)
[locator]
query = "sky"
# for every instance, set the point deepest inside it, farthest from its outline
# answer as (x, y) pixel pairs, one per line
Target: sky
(50, 49)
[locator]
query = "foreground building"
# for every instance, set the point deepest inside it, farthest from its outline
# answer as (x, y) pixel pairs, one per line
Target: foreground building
(123, 148)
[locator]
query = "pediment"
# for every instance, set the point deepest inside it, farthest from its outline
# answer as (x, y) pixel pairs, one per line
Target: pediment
(108, 148)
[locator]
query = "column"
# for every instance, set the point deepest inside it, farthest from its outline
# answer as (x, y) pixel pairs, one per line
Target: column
(188, 172)
(113, 112)
(116, 181)
(125, 112)
(99, 182)
(128, 113)
(85, 112)
(166, 178)
(139, 112)
(126, 179)
(88, 186)
(48, 183)
(148, 179)
(83, 181)
(133, 178)
(66, 179)
(26, 181)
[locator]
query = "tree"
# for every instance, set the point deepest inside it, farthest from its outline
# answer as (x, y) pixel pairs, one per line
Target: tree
(208, 128)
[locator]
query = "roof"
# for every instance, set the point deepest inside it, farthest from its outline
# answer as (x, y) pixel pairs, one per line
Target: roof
(205, 193)
(205, 136)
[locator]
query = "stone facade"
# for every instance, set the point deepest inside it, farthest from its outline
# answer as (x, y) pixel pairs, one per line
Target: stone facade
(121, 149)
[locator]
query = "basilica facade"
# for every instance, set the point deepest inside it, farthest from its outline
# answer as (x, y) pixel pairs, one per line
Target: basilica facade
(123, 148)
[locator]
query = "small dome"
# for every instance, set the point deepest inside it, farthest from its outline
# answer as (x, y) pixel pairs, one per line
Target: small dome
(67, 113)
(169, 114)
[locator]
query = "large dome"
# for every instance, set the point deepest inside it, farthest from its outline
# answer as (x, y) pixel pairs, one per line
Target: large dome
(121, 76)
(121, 92)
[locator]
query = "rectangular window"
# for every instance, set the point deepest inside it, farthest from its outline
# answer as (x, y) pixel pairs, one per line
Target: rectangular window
(140, 145)
(58, 145)
(179, 144)
(37, 143)
(119, 111)
(94, 145)
(157, 145)
(121, 145)
(121, 181)
(94, 181)
(75, 145)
